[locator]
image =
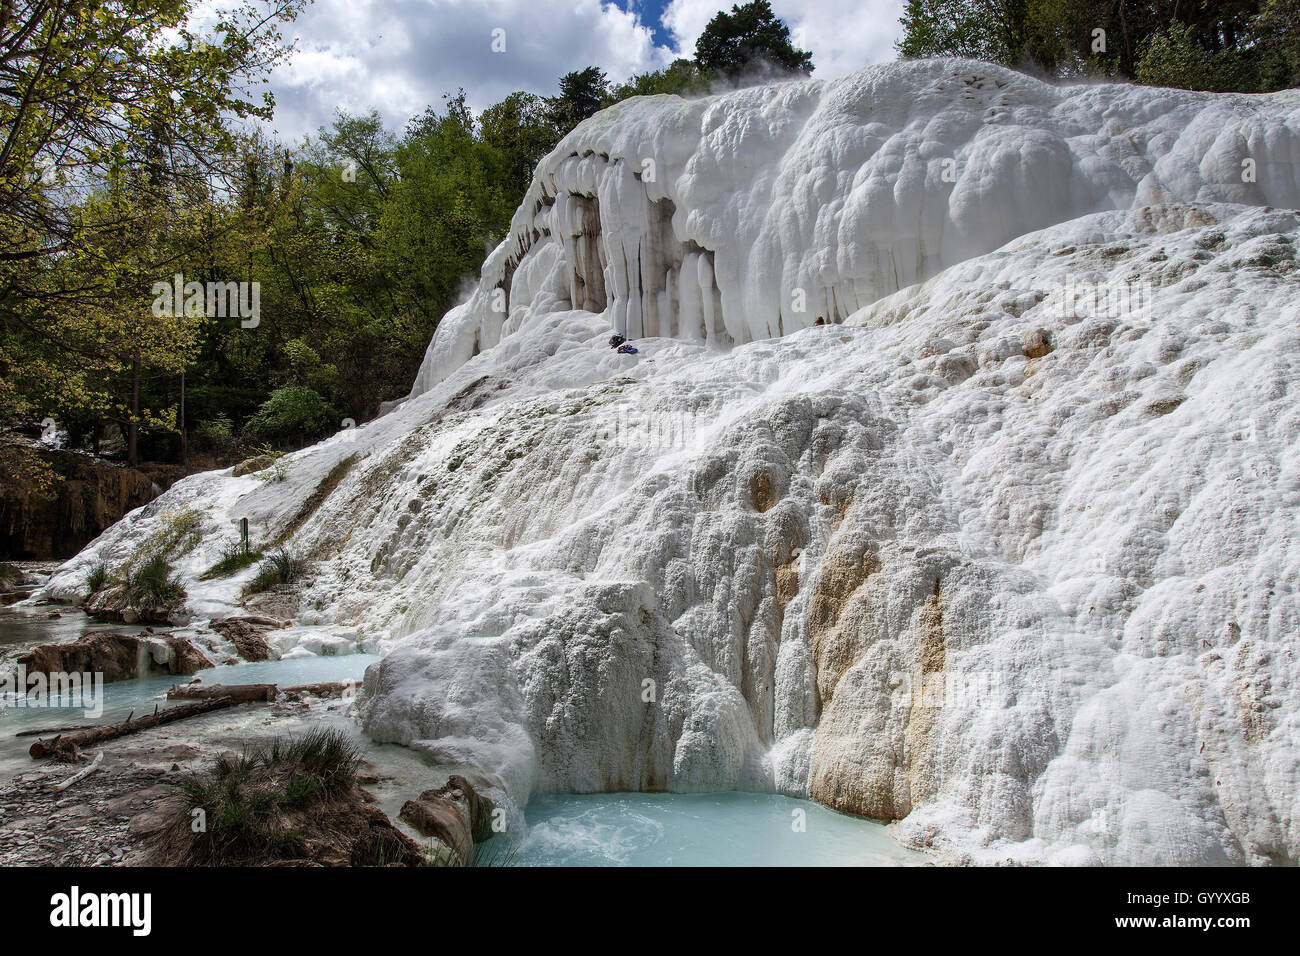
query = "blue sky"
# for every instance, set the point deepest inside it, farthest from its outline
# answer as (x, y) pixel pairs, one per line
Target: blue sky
(398, 56)
(651, 12)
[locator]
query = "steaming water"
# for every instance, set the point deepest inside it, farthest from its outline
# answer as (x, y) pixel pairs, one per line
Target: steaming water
(700, 829)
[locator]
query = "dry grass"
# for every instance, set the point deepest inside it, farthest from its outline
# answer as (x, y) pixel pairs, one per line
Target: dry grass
(283, 802)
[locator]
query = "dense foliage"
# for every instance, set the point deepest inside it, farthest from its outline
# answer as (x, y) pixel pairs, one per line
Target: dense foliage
(1224, 45)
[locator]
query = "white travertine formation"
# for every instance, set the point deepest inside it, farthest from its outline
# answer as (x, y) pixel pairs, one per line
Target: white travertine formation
(1007, 556)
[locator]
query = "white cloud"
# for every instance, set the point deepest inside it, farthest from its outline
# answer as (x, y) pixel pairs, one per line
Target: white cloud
(686, 20)
(399, 56)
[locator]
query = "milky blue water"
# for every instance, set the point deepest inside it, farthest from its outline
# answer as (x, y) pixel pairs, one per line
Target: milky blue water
(620, 829)
(700, 829)
(141, 696)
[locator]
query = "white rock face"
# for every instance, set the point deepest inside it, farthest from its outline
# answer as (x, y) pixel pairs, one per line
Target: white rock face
(747, 216)
(1007, 556)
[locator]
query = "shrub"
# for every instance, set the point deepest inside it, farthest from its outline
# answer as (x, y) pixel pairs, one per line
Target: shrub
(280, 566)
(254, 804)
(178, 533)
(217, 435)
(1175, 58)
(292, 413)
(99, 577)
(153, 581)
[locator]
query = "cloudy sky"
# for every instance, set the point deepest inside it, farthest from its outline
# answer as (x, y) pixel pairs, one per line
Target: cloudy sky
(398, 56)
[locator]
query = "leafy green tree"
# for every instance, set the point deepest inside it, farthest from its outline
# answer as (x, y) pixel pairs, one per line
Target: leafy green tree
(749, 38)
(352, 168)
(105, 330)
(1226, 45)
(980, 30)
(582, 93)
(1276, 34)
(90, 88)
(1174, 58)
(114, 119)
(1243, 48)
(681, 77)
(519, 128)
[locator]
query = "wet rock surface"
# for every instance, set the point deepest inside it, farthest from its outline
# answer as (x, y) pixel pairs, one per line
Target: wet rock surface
(116, 656)
(455, 814)
(248, 634)
(119, 814)
(88, 495)
(114, 603)
(14, 583)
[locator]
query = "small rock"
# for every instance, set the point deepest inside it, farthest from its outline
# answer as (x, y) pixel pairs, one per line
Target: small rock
(250, 465)
(1037, 343)
(441, 817)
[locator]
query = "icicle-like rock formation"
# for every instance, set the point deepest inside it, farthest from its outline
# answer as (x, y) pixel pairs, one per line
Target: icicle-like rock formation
(1008, 556)
(747, 216)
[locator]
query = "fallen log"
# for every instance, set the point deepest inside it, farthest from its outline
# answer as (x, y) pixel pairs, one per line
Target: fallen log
(330, 688)
(240, 693)
(67, 744)
(41, 732)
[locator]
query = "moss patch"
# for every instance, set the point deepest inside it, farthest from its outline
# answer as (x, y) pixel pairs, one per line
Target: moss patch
(317, 497)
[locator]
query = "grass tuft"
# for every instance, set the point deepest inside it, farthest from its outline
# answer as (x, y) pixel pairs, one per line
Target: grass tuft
(233, 558)
(495, 853)
(154, 581)
(100, 577)
(254, 804)
(279, 567)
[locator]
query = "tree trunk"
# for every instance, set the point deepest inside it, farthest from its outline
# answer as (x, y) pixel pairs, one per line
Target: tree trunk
(240, 693)
(132, 427)
(180, 416)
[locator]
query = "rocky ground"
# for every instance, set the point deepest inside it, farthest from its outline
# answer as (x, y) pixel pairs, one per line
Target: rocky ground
(116, 814)
(18, 579)
(108, 817)
(102, 820)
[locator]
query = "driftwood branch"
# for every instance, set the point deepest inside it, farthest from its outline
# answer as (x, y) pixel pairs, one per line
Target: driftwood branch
(81, 773)
(330, 688)
(258, 692)
(43, 731)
